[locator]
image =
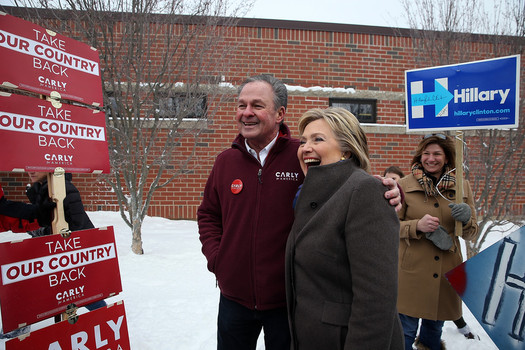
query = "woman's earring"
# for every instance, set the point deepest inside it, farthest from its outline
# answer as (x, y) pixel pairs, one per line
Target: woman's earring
(343, 157)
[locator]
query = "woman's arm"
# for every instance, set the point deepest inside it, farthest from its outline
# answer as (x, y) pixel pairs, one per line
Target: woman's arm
(470, 229)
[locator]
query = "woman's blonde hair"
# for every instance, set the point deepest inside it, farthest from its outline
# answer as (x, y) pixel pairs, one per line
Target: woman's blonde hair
(347, 130)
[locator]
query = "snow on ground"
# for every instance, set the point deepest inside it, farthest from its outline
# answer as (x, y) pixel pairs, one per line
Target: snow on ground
(171, 299)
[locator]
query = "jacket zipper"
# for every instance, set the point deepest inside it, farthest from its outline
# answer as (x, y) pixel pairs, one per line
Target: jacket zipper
(254, 252)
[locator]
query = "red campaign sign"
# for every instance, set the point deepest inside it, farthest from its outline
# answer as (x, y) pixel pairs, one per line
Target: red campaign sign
(37, 136)
(41, 276)
(105, 328)
(41, 61)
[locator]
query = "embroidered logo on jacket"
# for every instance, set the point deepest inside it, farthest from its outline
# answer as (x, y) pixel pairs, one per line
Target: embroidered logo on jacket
(286, 176)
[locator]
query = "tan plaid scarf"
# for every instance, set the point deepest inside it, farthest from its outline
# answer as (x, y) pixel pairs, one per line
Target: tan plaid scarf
(448, 180)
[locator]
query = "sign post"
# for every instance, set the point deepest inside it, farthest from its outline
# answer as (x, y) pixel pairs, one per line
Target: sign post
(104, 328)
(51, 121)
(492, 286)
(474, 95)
(38, 60)
(459, 175)
(57, 191)
(36, 135)
(80, 269)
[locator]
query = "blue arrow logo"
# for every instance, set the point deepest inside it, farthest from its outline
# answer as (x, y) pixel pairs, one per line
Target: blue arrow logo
(440, 97)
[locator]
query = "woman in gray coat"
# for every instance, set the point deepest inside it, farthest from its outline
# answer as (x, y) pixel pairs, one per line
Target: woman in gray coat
(341, 258)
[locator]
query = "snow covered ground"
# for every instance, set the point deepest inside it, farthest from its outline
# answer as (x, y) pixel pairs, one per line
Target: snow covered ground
(171, 299)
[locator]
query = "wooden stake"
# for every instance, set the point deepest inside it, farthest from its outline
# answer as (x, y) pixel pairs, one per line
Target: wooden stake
(459, 177)
(56, 183)
(56, 187)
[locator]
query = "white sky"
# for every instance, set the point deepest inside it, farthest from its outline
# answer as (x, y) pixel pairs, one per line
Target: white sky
(387, 13)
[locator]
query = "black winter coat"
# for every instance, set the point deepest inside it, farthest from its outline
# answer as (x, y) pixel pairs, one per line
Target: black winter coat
(74, 211)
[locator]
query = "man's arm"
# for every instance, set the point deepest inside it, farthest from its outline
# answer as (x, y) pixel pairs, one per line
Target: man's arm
(17, 225)
(394, 194)
(209, 219)
(17, 209)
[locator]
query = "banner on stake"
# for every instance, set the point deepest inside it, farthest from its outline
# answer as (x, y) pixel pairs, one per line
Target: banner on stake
(38, 135)
(474, 95)
(38, 60)
(40, 277)
(105, 328)
(492, 285)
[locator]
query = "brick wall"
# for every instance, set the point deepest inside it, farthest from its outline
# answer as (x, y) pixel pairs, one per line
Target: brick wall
(371, 60)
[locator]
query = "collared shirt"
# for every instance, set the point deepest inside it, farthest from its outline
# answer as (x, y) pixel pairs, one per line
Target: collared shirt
(261, 157)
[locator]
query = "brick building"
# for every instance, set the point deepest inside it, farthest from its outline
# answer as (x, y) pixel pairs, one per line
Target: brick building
(360, 67)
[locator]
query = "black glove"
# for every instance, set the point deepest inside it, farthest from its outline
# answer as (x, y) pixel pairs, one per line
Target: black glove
(440, 238)
(33, 191)
(41, 231)
(38, 195)
(44, 211)
(461, 212)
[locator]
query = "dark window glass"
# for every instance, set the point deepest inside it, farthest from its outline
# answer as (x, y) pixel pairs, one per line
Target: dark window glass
(364, 110)
(181, 104)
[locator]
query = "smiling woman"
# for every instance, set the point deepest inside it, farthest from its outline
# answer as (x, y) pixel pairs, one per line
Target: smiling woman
(330, 135)
(338, 294)
(429, 246)
(318, 145)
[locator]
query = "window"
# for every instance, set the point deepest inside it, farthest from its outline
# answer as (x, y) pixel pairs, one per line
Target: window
(190, 106)
(364, 110)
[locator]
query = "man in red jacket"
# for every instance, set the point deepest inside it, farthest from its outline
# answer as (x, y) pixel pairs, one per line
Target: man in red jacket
(17, 225)
(17, 216)
(245, 217)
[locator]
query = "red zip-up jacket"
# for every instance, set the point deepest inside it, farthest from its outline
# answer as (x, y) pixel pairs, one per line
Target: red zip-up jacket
(244, 220)
(8, 223)
(17, 225)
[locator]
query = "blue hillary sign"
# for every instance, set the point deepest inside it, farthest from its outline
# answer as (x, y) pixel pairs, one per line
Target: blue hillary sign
(474, 95)
(492, 285)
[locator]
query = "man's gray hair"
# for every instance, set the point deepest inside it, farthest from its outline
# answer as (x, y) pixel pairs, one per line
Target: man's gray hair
(280, 94)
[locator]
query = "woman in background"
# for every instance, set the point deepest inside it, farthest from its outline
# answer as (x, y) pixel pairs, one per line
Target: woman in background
(428, 247)
(393, 172)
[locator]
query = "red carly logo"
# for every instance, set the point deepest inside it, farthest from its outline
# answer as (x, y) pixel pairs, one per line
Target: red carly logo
(236, 186)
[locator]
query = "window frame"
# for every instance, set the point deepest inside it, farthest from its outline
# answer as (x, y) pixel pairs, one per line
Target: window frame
(199, 112)
(370, 119)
